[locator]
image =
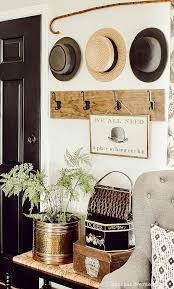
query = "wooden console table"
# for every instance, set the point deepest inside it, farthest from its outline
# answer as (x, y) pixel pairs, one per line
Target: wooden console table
(28, 271)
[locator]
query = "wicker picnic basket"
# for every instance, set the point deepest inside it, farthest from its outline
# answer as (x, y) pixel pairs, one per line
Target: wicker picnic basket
(112, 204)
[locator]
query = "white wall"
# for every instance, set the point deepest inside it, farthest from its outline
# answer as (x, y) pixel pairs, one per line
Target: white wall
(129, 20)
(61, 134)
(15, 4)
(71, 134)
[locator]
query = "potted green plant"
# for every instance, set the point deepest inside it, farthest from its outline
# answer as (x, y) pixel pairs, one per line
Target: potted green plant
(55, 228)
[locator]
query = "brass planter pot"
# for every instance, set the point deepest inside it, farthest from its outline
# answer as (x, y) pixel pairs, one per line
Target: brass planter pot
(53, 243)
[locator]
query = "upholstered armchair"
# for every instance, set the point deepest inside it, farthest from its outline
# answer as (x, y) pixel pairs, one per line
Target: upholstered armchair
(153, 202)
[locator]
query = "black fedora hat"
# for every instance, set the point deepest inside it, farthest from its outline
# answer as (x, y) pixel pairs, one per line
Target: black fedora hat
(148, 54)
(65, 58)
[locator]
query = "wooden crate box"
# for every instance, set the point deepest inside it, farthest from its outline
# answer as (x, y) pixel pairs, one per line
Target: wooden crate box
(95, 263)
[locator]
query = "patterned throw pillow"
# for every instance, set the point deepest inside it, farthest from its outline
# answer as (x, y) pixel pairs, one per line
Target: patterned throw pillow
(162, 258)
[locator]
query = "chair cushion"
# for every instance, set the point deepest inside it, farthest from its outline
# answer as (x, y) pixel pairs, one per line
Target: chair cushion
(162, 258)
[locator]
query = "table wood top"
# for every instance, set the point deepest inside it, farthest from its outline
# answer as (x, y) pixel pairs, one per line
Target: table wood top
(65, 272)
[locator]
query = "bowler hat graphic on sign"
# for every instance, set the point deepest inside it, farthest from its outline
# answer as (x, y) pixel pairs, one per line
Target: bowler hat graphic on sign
(118, 135)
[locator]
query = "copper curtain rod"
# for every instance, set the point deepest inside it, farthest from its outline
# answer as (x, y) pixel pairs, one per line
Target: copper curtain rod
(100, 7)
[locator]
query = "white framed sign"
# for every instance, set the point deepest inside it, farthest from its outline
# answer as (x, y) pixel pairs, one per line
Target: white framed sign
(119, 135)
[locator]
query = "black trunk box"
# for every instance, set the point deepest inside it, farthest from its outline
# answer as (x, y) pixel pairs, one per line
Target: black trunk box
(109, 237)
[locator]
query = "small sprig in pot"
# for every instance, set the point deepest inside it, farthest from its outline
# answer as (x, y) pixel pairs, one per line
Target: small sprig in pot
(55, 228)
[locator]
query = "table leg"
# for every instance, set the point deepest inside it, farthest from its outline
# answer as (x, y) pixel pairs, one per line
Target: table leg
(8, 280)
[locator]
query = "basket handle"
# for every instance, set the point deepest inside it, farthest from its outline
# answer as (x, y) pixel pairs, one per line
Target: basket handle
(131, 183)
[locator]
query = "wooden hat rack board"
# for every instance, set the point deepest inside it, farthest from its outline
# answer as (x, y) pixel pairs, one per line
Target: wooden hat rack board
(80, 104)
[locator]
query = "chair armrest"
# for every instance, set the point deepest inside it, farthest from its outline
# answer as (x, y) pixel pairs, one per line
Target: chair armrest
(134, 274)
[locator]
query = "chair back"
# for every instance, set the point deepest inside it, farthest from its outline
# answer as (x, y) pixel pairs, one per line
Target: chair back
(153, 202)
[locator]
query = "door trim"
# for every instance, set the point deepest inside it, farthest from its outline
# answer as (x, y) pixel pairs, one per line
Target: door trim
(44, 104)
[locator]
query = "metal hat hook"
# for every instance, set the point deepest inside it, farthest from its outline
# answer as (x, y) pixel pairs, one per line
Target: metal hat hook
(118, 104)
(153, 104)
(87, 104)
(58, 102)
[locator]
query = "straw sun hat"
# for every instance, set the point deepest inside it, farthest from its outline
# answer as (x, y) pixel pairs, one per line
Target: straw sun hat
(105, 54)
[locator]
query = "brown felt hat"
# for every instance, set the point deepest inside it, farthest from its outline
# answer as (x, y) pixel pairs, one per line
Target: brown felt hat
(65, 58)
(105, 54)
(148, 54)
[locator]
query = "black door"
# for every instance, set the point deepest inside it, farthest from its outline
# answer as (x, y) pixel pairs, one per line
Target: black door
(20, 124)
